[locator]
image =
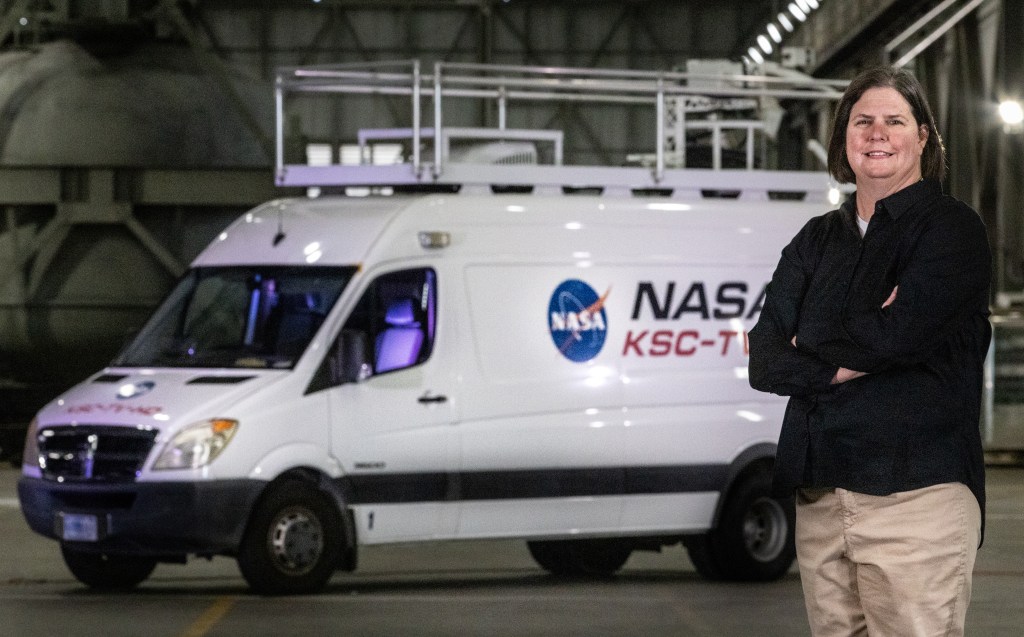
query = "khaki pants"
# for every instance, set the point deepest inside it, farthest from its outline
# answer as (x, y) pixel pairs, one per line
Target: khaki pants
(887, 566)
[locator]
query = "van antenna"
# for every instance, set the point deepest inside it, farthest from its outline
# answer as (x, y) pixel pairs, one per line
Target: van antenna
(279, 237)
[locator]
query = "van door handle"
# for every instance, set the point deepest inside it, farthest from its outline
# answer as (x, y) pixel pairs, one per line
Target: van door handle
(427, 399)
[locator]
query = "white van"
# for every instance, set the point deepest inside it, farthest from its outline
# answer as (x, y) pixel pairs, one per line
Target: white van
(337, 372)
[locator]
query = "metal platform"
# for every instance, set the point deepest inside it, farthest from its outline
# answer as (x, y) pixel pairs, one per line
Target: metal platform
(734, 111)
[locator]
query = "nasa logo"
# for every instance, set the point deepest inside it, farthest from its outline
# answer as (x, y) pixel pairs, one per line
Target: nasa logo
(577, 320)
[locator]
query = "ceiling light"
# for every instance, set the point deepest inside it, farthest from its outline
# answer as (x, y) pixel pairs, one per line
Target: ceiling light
(786, 24)
(1011, 112)
(813, 4)
(766, 46)
(797, 13)
(755, 55)
(803, 6)
(774, 32)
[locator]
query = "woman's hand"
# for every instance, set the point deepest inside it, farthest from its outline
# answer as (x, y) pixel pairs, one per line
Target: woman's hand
(892, 297)
(843, 375)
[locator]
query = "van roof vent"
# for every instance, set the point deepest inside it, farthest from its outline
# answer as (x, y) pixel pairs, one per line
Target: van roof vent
(218, 380)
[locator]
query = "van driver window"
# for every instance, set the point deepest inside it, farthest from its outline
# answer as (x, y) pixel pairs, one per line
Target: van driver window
(398, 314)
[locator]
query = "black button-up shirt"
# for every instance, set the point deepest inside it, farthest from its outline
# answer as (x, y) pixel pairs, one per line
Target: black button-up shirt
(913, 421)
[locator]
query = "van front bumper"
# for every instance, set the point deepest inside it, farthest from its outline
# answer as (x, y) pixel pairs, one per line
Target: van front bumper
(160, 519)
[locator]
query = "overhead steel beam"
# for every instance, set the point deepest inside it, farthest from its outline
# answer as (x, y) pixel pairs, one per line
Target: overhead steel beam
(91, 196)
(170, 10)
(932, 36)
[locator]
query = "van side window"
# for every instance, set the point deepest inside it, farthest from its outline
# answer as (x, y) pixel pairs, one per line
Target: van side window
(397, 313)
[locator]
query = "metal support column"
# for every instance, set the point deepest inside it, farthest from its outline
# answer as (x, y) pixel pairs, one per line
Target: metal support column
(1010, 165)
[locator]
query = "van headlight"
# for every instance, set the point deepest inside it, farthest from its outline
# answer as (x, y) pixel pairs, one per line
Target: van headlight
(197, 445)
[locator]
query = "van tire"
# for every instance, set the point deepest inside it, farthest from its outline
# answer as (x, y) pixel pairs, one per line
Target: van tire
(753, 541)
(294, 541)
(581, 558)
(106, 572)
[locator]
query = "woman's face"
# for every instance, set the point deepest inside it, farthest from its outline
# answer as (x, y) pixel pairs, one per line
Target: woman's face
(884, 142)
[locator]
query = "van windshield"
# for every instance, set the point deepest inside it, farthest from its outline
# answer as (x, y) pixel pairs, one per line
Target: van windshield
(250, 317)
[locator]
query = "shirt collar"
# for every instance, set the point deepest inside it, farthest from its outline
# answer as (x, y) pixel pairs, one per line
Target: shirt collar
(901, 201)
(898, 202)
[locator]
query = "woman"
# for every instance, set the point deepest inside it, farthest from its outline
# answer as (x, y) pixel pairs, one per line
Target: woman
(876, 326)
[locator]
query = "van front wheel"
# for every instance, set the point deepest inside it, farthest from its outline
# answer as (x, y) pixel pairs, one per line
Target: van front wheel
(106, 572)
(294, 540)
(581, 558)
(754, 537)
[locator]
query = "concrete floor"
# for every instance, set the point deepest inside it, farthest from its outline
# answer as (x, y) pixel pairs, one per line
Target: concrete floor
(460, 588)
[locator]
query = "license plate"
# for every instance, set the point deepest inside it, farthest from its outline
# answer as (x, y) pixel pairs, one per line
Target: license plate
(79, 527)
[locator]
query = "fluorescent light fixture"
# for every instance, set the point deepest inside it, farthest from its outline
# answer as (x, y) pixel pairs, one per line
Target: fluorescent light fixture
(813, 4)
(773, 31)
(796, 12)
(834, 196)
(806, 8)
(786, 24)
(755, 55)
(766, 46)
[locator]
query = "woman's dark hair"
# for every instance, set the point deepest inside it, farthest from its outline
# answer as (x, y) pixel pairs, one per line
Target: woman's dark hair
(933, 160)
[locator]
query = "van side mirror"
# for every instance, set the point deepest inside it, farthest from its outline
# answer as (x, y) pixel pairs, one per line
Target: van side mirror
(353, 358)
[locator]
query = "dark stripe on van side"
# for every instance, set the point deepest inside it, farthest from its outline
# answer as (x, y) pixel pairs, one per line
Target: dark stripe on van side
(547, 483)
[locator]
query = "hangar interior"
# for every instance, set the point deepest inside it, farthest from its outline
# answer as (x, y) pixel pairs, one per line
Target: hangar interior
(135, 130)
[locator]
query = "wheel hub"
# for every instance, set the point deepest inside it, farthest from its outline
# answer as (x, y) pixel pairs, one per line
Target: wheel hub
(297, 541)
(764, 530)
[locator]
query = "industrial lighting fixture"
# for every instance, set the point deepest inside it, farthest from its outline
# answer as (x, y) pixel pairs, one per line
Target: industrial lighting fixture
(763, 43)
(1011, 112)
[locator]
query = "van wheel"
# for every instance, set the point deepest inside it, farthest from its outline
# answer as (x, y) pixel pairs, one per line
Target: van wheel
(294, 540)
(754, 537)
(581, 558)
(106, 572)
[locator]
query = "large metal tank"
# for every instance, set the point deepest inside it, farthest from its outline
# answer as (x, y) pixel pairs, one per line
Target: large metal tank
(79, 272)
(154, 106)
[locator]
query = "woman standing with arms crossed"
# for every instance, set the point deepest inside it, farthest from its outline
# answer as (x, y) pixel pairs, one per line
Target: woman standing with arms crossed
(876, 326)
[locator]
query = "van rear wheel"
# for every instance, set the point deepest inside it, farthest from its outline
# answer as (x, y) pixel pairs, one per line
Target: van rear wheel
(581, 558)
(107, 572)
(294, 540)
(754, 537)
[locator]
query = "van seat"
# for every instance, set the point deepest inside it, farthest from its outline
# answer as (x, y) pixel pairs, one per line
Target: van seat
(298, 320)
(399, 344)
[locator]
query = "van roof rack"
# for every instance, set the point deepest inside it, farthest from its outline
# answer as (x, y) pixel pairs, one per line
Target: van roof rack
(724, 107)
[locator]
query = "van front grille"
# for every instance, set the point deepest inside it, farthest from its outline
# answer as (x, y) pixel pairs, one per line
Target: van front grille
(77, 453)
